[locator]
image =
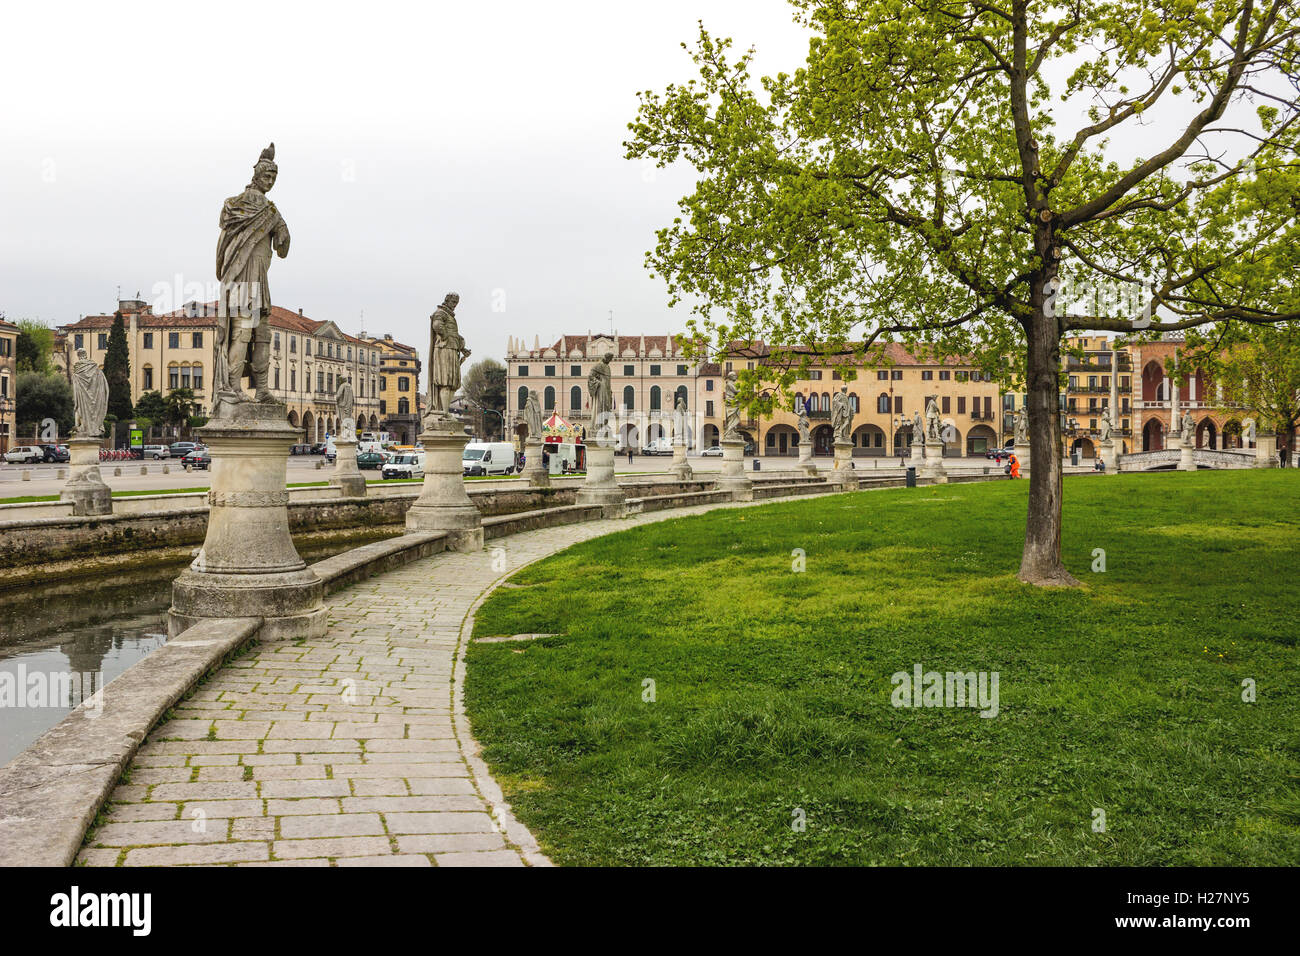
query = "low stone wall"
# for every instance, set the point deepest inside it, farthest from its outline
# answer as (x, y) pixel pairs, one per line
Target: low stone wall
(683, 500)
(377, 557)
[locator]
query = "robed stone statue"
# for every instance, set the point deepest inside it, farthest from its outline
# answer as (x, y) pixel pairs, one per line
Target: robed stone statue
(533, 416)
(1107, 423)
(842, 415)
(446, 354)
(89, 395)
(1022, 427)
(600, 385)
(932, 421)
(918, 429)
(251, 229)
(1189, 431)
(805, 426)
(345, 404)
(731, 423)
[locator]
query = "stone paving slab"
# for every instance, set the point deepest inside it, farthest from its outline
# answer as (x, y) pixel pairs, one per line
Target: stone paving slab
(352, 749)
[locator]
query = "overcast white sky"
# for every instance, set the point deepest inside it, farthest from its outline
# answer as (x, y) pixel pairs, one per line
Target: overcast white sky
(423, 148)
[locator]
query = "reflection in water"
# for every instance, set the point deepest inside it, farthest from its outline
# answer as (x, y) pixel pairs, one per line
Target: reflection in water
(62, 643)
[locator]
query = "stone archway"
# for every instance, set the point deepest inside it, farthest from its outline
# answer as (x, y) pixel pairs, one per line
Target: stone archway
(308, 427)
(980, 440)
(1207, 434)
(823, 440)
(711, 436)
(781, 441)
(869, 441)
(1084, 447)
(751, 446)
(1153, 435)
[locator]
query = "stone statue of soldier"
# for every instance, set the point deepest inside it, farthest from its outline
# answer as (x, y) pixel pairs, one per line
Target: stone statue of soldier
(447, 353)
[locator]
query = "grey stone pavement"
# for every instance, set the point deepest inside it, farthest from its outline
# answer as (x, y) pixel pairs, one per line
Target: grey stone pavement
(349, 750)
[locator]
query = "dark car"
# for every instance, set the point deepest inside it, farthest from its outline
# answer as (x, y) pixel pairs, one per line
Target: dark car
(197, 459)
(318, 448)
(371, 459)
(302, 449)
(56, 453)
(179, 449)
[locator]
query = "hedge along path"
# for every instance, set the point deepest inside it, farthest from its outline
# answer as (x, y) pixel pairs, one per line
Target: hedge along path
(351, 749)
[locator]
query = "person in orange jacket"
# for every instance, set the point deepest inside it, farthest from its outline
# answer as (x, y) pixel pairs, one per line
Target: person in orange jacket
(1015, 466)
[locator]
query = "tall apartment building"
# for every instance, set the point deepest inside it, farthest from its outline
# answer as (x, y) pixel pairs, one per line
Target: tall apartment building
(401, 404)
(649, 373)
(176, 350)
(8, 380)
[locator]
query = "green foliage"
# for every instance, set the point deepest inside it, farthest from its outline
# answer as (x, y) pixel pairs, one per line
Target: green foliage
(1257, 367)
(484, 384)
(152, 406)
(117, 369)
(773, 687)
(34, 347)
(41, 396)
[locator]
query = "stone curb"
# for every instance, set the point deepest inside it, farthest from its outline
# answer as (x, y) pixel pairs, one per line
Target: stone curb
(51, 792)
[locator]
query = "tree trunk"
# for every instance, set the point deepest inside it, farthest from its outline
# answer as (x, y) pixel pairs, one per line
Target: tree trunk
(1041, 562)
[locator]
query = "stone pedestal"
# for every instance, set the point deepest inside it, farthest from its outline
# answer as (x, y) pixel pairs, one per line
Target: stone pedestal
(1186, 456)
(932, 467)
(600, 488)
(85, 488)
(1022, 455)
(534, 470)
(443, 504)
(733, 477)
(347, 477)
(680, 468)
(248, 566)
(1266, 451)
(1109, 457)
(842, 471)
(806, 463)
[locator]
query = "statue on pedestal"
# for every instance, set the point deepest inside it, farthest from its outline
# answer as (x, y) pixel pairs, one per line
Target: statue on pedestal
(251, 229)
(679, 421)
(89, 395)
(918, 429)
(805, 427)
(533, 416)
(346, 405)
(842, 415)
(446, 354)
(600, 385)
(731, 411)
(1022, 426)
(932, 423)
(1189, 431)
(1107, 424)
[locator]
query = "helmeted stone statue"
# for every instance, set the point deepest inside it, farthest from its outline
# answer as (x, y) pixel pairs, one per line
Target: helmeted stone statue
(1022, 426)
(600, 385)
(932, 424)
(251, 229)
(345, 404)
(731, 410)
(90, 396)
(533, 416)
(842, 415)
(447, 352)
(805, 427)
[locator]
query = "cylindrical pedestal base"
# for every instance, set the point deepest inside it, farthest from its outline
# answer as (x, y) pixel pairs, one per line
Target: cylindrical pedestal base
(534, 470)
(1109, 457)
(1022, 456)
(600, 488)
(1266, 451)
(85, 488)
(1186, 457)
(248, 566)
(932, 467)
(347, 477)
(733, 478)
(806, 463)
(843, 472)
(443, 504)
(680, 468)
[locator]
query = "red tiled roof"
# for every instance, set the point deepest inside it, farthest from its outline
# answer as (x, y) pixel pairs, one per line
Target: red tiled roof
(281, 318)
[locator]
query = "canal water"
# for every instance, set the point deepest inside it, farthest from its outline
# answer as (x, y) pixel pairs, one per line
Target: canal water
(62, 644)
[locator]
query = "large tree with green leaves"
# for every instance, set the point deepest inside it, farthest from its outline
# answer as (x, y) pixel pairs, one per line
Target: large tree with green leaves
(1256, 368)
(34, 347)
(485, 386)
(40, 396)
(985, 178)
(117, 369)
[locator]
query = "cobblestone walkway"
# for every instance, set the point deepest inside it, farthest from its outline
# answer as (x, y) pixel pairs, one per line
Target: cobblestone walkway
(350, 750)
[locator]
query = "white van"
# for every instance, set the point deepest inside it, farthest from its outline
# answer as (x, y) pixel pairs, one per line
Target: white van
(406, 465)
(563, 457)
(488, 458)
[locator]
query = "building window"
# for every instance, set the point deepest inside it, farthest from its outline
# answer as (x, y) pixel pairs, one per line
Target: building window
(276, 341)
(148, 340)
(523, 397)
(383, 383)
(523, 371)
(173, 377)
(708, 384)
(575, 399)
(383, 407)
(896, 374)
(654, 369)
(198, 377)
(656, 401)
(681, 370)
(196, 340)
(148, 379)
(882, 375)
(882, 403)
(276, 384)
(927, 375)
(575, 370)
(708, 409)
(681, 394)
(403, 383)
(403, 406)
(173, 340)
(815, 375)
(629, 370)
(293, 379)
(947, 404)
(898, 404)
(963, 376)
(944, 375)
(961, 404)
(77, 341)
(293, 343)
(548, 400)
(103, 340)
(854, 404)
(549, 371)
(320, 380)
(629, 397)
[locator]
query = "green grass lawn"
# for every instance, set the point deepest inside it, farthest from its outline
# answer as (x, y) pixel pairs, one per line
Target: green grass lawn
(773, 690)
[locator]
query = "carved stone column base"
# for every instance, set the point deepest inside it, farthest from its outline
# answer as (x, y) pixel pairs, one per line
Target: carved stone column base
(1022, 456)
(248, 565)
(1186, 456)
(806, 463)
(1266, 451)
(733, 477)
(932, 468)
(843, 473)
(680, 468)
(347, 477)
(534, 470)
(85, 488)
(1110, 457)
(443, 504)
(600, 488)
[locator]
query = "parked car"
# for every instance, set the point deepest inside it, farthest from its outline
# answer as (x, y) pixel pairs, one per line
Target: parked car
(371, 459)
(409, 465)
(197, 459)
(713, 451)
(317, 448)
(660, 446)
(25, 455)
(56, 453)
(300, 449)
(157, 452)
(179, 449)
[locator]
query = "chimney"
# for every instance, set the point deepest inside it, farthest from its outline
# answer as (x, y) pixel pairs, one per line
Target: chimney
(300, 310)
